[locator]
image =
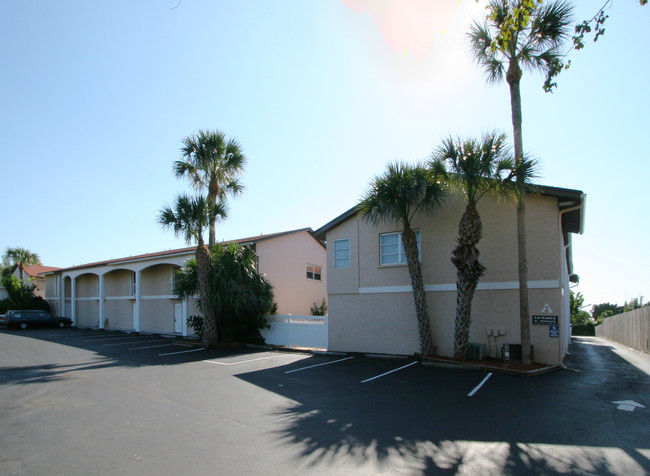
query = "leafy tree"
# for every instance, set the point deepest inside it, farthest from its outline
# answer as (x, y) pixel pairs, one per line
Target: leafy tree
(473, 168)
(510, 41)
(396, 196)
(21, 257)
(20, 295)
(634, 303)
(189, 218)
(212, 162)
(598, 310)
(578, 316)
(240, 296)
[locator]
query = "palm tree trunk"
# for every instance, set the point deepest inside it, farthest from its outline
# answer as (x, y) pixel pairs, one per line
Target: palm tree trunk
(203, 273)
(513, 78)
(415, 273)
(469, 271)
(213, 193)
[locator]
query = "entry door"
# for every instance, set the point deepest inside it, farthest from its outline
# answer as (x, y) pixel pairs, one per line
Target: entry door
(178, 317)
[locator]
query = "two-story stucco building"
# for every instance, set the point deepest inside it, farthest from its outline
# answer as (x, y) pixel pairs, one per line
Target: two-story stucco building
(371, 305)
(136, 293)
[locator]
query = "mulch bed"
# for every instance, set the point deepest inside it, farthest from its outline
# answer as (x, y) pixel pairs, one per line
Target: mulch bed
(495, 364)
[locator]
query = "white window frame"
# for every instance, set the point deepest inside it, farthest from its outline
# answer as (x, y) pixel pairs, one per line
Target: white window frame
(311, 269)
(342, 262)
(401, 255)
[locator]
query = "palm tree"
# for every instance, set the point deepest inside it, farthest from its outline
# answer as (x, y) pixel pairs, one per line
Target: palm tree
(189, 218)
(22, 258)
(472, 168)
(212, 162)
(242, 296)
(396, 196)
(534, 43)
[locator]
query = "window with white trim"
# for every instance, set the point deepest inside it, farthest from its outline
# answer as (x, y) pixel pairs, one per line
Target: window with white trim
(342, 253)
(314, 272)
(391, 248)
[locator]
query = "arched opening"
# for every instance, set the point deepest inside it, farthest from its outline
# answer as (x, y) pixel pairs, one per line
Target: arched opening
(160, 310)
(119, 299)
(87, 300)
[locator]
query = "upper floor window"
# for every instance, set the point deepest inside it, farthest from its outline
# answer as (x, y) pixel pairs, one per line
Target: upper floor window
(342, 253)
(391, 248)
(313, 272)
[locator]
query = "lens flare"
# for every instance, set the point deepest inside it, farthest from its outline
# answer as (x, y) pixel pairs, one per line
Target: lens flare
(408, 26)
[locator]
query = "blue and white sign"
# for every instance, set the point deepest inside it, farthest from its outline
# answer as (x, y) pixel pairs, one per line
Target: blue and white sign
(554, 331)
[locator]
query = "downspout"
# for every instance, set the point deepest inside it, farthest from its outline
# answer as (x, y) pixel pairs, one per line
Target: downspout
(563, 258)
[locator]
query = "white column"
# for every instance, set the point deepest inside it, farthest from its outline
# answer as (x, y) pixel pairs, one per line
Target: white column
(73, 301)
(185, 311)
(101, 293)
(62, 295)
(138, 301)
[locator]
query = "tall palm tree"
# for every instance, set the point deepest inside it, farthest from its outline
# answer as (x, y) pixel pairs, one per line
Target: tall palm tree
(396, 196)
(534, 44)
(22, 258)
(189, 218)
(212, 162)
(472, 168)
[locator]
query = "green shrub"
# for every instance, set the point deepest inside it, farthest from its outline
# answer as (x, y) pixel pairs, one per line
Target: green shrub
(196, 323)
(317, 310)
(583, 330)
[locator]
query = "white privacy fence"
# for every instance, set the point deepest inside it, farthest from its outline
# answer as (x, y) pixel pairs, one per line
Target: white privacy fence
(297, 331)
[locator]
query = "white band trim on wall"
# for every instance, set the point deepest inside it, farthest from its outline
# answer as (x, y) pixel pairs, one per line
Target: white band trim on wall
(496, 286)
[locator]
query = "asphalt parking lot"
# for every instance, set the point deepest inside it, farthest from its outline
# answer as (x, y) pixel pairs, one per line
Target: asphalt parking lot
(78, 401)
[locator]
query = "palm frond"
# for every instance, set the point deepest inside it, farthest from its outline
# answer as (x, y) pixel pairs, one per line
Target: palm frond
(399, 193)
(470, 166)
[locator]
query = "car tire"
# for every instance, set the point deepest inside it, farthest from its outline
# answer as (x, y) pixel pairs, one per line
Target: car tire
(60, 324)
(23, 325)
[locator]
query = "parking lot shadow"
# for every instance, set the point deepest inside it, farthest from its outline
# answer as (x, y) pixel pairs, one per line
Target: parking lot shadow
(48, 372)
(422, 421)
(103, 349)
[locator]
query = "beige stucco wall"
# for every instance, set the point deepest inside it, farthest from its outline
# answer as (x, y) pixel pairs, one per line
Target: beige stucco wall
(88, 313)
(157, 315)
(87, 285)
(118, 313)
(284, 260)
(157, 280)
(369, 313)
(118, 283)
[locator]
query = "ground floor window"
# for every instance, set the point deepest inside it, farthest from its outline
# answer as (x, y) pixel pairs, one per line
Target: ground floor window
(314, 272)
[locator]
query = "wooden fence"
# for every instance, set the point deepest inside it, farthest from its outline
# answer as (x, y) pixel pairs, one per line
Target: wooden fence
(631, 329)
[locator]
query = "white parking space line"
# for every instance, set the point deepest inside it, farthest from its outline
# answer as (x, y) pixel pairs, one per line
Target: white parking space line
(317, 365)
(101, 339)
(70, 334)
(138, 342)
(389, 372)
(478, 387)
(181, 352)
(150, 346)
(244, 361)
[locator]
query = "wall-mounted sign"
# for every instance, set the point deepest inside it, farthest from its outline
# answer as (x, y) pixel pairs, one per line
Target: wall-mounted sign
(546, 309)
(554, 331)
(544, 320)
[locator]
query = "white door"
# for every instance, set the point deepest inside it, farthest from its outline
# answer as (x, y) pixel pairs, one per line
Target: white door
(178, 317)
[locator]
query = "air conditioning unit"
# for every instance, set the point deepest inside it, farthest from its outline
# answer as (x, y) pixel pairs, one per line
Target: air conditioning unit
(513, 352)
(475, 351)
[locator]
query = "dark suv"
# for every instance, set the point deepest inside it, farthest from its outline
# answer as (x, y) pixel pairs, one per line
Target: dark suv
(25, 319)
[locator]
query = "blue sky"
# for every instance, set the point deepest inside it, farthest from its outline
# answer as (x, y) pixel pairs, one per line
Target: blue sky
(97, 97)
